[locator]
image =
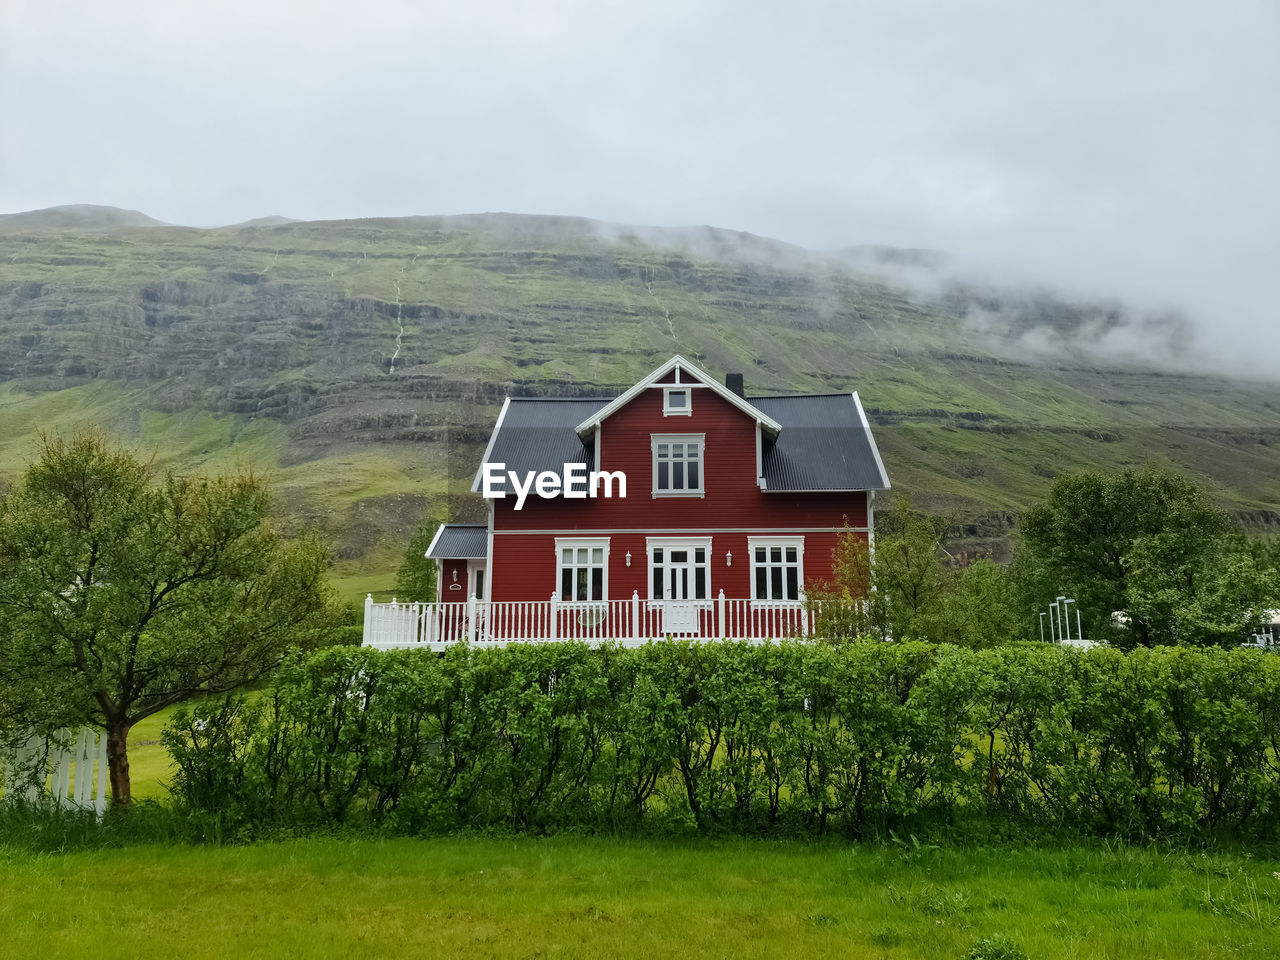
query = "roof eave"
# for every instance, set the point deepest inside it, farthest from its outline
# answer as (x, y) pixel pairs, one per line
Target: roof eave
(475, 484)
(871, 439)
(592, 423)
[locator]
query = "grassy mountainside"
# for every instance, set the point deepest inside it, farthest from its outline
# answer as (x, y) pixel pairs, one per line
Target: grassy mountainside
(363, 362)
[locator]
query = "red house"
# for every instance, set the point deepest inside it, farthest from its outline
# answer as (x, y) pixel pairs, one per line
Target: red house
(681, 507)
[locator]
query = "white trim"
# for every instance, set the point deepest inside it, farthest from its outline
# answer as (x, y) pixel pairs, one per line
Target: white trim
(701, 440)
(599, 431)
(760, 459)
(862, 415)
(474, 566)
(677, 543)
(871, 524)
(475, 484)
(578, 543)
(687, 410)
(488, 558)
(432, 545)
(678, 362)
(784, 542)
(618, 531)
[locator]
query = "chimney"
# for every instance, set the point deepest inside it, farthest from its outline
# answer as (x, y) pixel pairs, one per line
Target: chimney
(734, 382)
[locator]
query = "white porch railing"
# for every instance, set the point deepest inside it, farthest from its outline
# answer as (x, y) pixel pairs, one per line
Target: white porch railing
(632, 622)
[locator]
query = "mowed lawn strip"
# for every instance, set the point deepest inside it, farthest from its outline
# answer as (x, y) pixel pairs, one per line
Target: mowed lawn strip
(576, 897)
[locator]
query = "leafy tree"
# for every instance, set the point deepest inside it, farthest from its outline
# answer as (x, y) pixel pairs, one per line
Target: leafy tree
(907, 588)
(980, 607)
(1149, 544)
(908, 573)
(416, 577)
(123, 592)
(846, 606)
(1213, 596)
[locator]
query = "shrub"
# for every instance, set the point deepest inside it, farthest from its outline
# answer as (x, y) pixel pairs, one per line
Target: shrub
(860, 739)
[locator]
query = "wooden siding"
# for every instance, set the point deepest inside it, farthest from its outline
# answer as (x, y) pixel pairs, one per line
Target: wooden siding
(525, 564)
(524, 560)
(732, 499)
(447, 593)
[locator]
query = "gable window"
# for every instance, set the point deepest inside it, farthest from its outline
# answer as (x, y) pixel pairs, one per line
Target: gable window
(777, 567)
(677, 402)
(677, 464)
(582, 568)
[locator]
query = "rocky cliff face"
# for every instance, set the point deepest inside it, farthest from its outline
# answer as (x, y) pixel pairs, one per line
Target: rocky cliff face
(367, 359)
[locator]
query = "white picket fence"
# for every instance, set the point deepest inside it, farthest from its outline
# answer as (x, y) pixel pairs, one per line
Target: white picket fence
(631, 622)
(68, 768)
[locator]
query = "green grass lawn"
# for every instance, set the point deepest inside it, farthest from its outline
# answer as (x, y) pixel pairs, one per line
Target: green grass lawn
(149, 762)
(579, 897)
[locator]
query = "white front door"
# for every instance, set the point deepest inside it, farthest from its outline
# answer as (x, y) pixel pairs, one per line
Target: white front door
(475, 574)
(680, 581)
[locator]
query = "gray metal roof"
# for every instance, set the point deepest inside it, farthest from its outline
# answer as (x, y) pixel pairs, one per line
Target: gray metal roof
(825, 444)
(537, 433)
(460, 541)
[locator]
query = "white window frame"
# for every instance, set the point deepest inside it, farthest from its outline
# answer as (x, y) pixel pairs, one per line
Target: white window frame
(766, 543)
(580, 543)
(701, 440)
(670, 411)
(667, 544)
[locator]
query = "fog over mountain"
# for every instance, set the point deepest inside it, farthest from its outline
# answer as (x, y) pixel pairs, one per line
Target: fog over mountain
(1120, 152)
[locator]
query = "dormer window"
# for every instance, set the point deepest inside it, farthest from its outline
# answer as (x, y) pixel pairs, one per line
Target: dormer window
(677, 402)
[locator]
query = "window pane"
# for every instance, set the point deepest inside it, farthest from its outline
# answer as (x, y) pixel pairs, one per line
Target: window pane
(679, 556)
(693, 476)
(657, 555)
(566, 584)
(699, 583)
(582, 583)
(759, 554)
(597, 555)
(662, 451)
(566, 556)
(775, 583)
(663, 482)
(762, 576)
(692, 452)
(677, 475)
(775, 554)
(791, 554)
(793, 583)
(597, 584)
(700, 555)
(676, 399)
(657, 582)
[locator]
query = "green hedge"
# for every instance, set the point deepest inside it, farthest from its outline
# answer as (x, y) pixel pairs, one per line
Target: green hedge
(798, 738)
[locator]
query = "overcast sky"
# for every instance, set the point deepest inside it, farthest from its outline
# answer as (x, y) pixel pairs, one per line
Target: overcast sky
(1116, 147)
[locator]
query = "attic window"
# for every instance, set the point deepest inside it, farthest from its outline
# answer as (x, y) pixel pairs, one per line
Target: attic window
(677, 402)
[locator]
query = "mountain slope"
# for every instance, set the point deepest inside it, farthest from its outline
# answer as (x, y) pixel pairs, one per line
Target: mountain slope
(365, 360)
